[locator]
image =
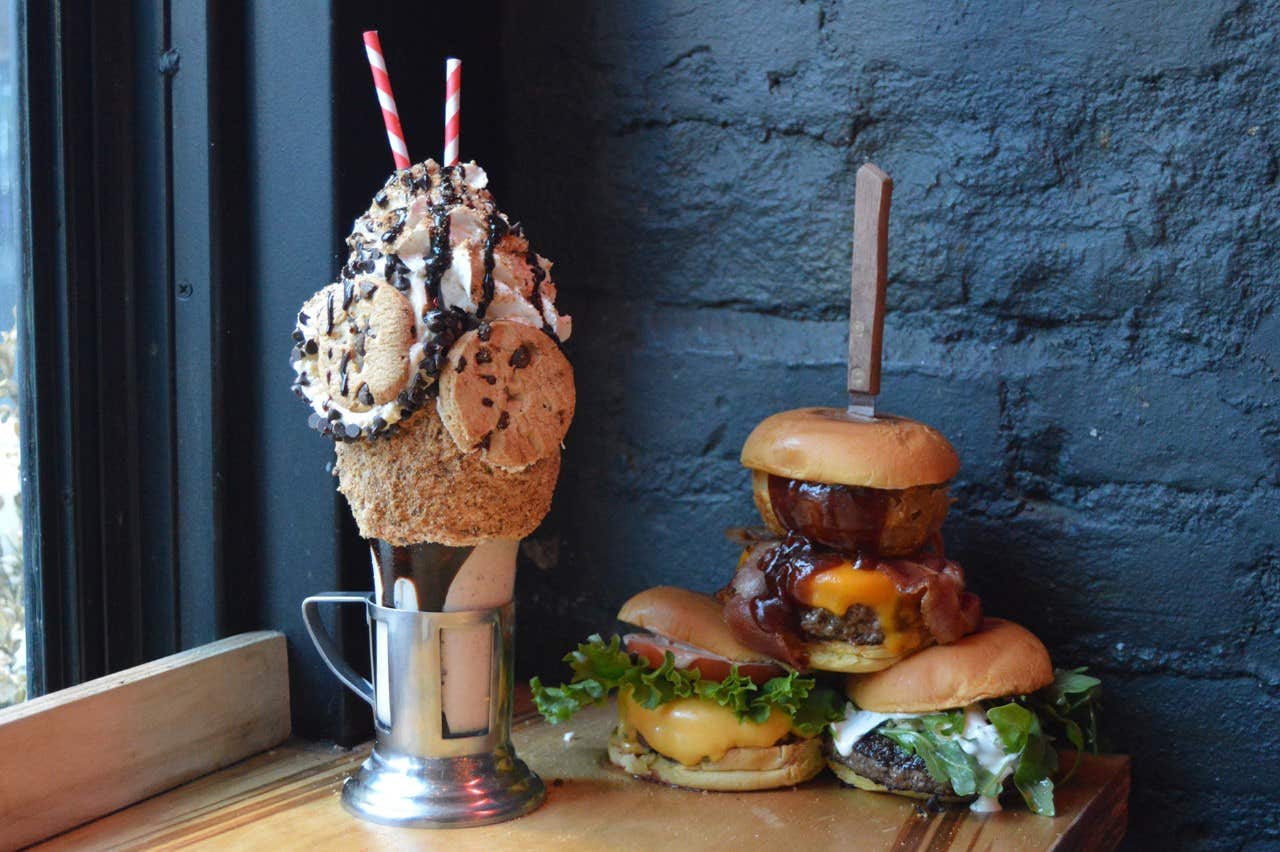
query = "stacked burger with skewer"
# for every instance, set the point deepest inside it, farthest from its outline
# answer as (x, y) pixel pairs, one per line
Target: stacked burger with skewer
(846, 637)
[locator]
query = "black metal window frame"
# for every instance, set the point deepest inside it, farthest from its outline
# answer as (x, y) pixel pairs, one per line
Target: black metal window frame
(119, 153)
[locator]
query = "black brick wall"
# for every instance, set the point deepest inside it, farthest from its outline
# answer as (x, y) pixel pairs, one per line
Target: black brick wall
(1082, 297)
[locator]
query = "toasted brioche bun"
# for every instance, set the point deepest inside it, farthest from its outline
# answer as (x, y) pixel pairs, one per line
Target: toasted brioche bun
(741, 770)
(830, 445)
(853, 779)
(1001, 658)
(688, 617)
(834, 656)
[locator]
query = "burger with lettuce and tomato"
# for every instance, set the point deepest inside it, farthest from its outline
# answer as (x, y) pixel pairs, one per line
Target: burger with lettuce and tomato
(696, 707)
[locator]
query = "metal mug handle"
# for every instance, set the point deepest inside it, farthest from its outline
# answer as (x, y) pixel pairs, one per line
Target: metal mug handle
(328, 648)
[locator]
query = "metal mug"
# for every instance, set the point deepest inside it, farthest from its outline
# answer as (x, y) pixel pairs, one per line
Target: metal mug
(420, 773)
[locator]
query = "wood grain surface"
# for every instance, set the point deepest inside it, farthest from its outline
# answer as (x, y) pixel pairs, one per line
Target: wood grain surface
(76, 754)
(288, 799)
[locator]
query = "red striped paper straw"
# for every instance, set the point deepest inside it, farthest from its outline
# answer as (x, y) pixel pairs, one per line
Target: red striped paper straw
(382, 83)
(452, 109)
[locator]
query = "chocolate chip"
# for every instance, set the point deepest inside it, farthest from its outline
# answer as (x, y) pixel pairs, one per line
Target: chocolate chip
(365, 395)
(381, 198)
(302, 318)
(304, 380)
(348, 293)
(436, 320)
(314, 421)
(377, 423)
(492, 380)
(486, 402)
(346, 375)
(504, 420)
(405, 398)
(367, 289)
(335, 414)
(311, 347)
(484, 442)
(483, 355)
(298, 336)
(461, 365)
(483, 331)
(352, 430)
(329, 315)
(521, 357)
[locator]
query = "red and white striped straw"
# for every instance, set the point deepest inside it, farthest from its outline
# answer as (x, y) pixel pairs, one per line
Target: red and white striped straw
(452, 109)
(382, 83)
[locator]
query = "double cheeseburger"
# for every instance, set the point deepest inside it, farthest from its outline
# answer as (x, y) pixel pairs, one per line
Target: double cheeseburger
(696, 707)
(952, 722)
(851, 576)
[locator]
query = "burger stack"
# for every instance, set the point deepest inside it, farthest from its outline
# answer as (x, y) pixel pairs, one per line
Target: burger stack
(845, 639)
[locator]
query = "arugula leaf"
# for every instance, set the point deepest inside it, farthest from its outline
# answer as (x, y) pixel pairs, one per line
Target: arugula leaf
(948, 724)
(1013, 723)
(1033, 775)
(600, 668)
(923, 746)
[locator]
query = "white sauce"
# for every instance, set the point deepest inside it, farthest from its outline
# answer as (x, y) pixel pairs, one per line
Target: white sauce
(856, 724)
(982, 742)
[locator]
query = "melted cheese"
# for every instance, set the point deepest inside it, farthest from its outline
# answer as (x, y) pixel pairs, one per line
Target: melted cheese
(839, 588)
(688, 730)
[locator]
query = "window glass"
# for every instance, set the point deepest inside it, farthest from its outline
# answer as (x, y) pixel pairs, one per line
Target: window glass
(13, 628)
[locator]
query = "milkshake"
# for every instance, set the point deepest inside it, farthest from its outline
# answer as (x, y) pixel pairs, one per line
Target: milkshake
(435, 364)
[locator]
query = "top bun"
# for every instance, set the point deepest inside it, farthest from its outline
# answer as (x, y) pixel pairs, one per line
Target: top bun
(688, 617)
(830, 445)
(1000, 659)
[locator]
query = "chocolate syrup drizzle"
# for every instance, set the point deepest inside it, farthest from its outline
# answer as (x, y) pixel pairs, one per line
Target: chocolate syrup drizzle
(441, 255)
(497, 231)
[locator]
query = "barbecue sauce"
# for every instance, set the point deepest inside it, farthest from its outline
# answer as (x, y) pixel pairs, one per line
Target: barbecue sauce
(845, 517)
(761, 600)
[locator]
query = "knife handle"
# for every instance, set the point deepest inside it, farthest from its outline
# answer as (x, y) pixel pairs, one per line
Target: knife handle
(873, 191)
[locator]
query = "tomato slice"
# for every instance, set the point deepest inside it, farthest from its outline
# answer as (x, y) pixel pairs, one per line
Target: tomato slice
(711, 666)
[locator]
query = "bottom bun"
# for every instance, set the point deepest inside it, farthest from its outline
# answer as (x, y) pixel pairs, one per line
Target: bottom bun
(832, 656)
(740, 770)
(853, 779)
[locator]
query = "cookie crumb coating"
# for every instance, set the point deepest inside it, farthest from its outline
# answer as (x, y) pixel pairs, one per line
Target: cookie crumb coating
(417, 486)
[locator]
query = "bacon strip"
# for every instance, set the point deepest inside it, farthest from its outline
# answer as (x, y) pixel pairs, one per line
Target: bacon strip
(761, 608)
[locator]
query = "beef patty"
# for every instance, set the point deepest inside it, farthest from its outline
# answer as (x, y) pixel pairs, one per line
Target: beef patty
(859, 625)
(878, 758)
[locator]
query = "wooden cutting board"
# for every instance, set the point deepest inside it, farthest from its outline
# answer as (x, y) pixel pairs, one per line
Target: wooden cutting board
(288, 798)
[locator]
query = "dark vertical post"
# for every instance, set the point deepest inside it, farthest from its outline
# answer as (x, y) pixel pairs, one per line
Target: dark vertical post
(198, 380)
(288, 535)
